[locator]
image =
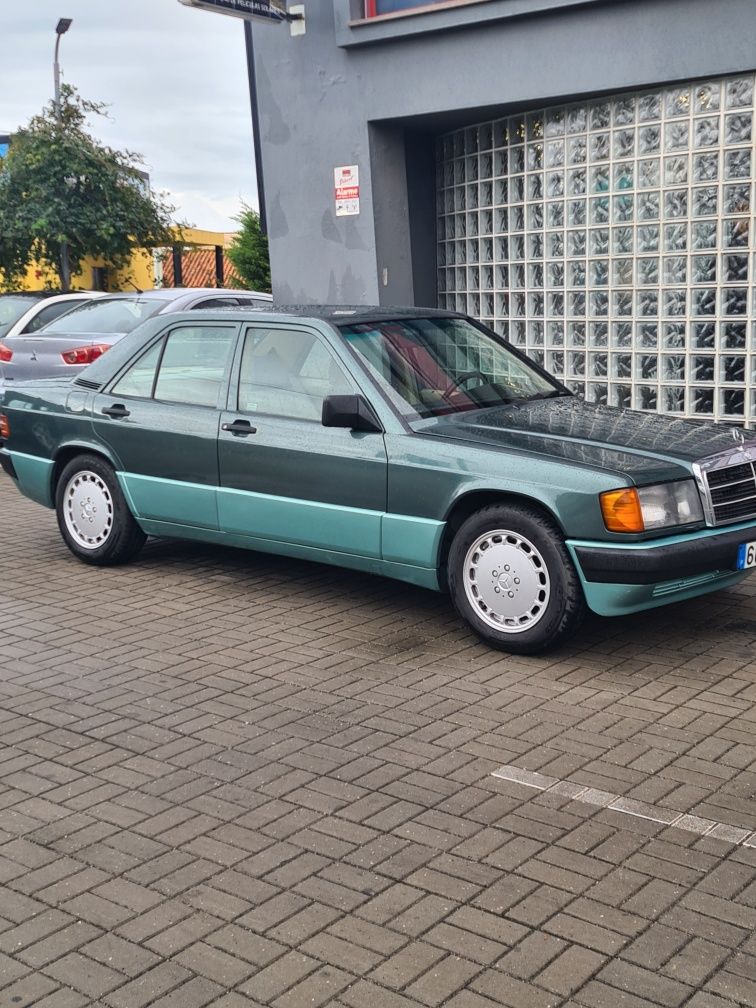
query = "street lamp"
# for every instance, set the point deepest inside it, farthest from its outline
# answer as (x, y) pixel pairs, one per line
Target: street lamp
(61, 28)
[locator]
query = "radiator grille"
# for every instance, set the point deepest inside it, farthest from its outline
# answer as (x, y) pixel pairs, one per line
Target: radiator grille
(732, 492)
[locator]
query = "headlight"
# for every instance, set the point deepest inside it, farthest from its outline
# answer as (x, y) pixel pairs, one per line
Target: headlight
(664, 505)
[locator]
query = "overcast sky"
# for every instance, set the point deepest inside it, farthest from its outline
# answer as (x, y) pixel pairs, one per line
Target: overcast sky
(175, 80)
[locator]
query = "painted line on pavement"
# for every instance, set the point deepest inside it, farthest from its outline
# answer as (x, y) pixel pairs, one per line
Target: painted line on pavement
(628, 806)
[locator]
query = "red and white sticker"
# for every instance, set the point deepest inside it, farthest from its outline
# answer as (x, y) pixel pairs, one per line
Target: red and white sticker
(347, 190)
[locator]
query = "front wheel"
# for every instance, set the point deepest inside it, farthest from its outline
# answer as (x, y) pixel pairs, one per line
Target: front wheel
(93, 516)
(512, 580)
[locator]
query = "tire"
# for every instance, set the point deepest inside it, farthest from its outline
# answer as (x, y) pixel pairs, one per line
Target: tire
(93, 516)
(524, 596)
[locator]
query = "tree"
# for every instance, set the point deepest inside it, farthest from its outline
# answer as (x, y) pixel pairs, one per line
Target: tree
(249, 252)
(65, 196)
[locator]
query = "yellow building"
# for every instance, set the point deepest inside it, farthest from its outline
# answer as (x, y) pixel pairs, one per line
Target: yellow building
(150, 268)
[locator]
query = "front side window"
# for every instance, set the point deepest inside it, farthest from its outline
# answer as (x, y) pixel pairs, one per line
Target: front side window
(187, 367)
(434, 366)
(288, 373)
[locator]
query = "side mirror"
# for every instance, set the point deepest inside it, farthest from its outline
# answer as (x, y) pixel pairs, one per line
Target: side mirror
(350, 411)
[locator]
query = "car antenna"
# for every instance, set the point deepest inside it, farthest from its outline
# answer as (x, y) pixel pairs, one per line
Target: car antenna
(135, 287)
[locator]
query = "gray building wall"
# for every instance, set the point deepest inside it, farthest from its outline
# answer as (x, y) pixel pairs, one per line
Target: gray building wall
(376, 95)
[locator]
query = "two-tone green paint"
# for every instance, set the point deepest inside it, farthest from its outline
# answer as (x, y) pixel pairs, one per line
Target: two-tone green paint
(407, 548)
(373, 502)
(155, 499)
(423, 577)
(399, 540)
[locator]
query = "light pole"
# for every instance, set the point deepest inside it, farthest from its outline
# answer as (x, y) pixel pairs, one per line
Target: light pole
(62, 27)
(256, 143)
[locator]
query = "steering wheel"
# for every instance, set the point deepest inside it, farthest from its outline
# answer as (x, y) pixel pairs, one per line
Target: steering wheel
(466, 376)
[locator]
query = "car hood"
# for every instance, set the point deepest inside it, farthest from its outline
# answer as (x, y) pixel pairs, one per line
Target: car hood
(645, 446)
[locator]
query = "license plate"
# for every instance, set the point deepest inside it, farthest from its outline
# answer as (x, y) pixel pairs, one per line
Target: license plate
(747, 556)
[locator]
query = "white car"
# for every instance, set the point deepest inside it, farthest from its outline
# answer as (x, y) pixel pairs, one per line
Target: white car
(27, 311)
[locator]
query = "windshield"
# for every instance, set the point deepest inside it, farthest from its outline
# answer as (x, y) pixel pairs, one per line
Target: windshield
(433, 366)
(116, 315)
(12, 308)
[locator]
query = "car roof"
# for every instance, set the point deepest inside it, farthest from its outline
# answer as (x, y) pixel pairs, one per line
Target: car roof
(74, 296)
(160, 293)
(340, 315)
(44, 295)
(175, 293)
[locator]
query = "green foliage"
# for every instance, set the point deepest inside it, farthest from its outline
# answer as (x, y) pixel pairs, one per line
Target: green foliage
(64, 196)
(249, 252)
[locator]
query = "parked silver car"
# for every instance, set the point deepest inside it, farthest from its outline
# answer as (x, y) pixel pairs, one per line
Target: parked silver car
(75, 340)
(28, 311)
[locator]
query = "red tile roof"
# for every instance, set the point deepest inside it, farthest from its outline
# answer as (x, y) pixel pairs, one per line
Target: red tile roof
(198, 269)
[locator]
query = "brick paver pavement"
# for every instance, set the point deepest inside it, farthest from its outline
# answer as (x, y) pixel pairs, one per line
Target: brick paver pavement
(235, 780)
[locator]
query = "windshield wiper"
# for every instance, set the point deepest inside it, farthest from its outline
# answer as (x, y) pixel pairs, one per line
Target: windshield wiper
(553, 394)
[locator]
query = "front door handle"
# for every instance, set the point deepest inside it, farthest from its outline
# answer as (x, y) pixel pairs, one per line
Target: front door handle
(117, 411)
(241, 427)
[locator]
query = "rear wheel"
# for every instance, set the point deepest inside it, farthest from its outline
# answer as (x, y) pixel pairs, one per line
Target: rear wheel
(93, 516)
(512, 579)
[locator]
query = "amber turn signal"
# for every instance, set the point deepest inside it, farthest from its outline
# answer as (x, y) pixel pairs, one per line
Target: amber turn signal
(4, 427)
(621, 510)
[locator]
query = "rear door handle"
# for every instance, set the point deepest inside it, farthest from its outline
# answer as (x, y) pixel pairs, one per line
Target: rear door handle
(117, 411)
(241, 427)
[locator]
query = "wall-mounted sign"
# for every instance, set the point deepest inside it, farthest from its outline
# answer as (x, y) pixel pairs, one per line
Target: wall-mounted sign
(347, 190)
(250, 10)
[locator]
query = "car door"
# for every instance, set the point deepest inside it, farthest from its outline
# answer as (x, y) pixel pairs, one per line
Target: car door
(160, 421)
(283, 476)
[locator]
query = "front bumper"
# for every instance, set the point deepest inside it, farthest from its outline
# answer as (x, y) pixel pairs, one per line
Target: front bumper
(621, 579)
(649, 563)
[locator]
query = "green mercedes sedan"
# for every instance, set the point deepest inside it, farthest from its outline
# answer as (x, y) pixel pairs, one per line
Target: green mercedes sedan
(414, 444)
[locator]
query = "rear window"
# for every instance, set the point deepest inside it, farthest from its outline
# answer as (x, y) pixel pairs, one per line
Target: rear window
(119, 315)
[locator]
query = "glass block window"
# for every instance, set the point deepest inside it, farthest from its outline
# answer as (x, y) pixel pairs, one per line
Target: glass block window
(614, 242)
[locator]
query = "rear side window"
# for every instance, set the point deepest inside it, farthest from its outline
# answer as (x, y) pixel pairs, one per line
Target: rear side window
(255, 303)
(217, 302)
(187, 367)
(139, 380)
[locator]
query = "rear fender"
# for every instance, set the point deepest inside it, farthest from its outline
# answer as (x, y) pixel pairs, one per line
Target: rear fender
(70, 450)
